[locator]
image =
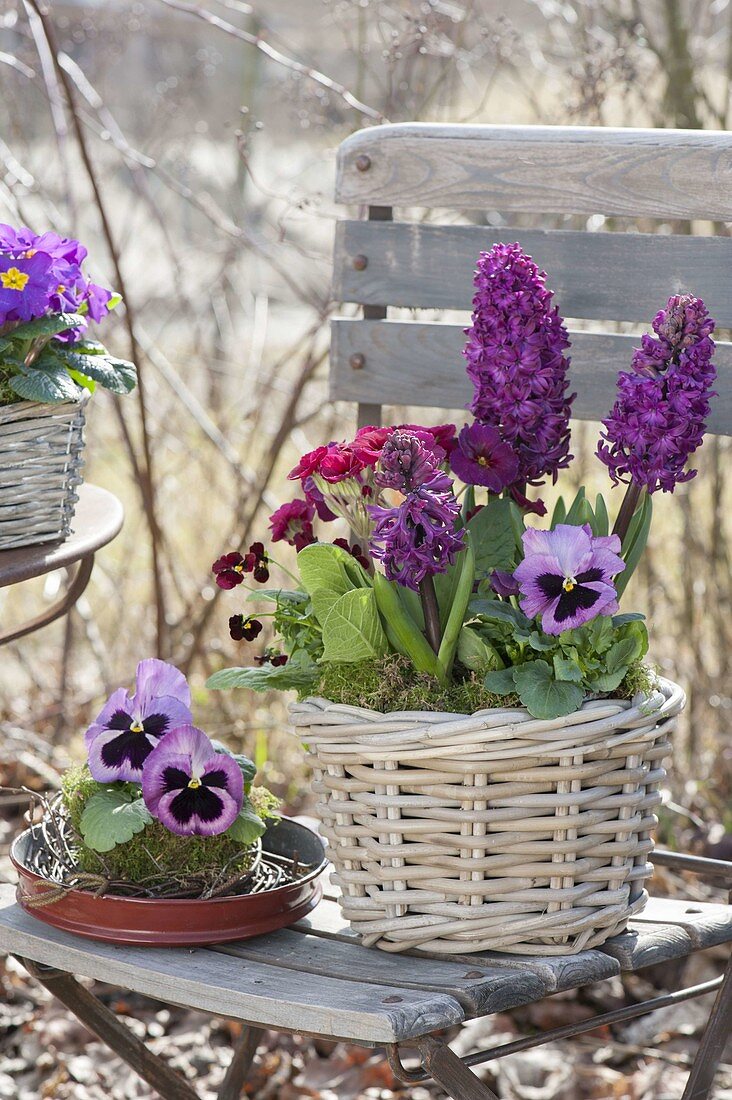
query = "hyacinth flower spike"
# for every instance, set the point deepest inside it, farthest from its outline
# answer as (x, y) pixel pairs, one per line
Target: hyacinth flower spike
(192, 789)
(566, 576)
(129, 727)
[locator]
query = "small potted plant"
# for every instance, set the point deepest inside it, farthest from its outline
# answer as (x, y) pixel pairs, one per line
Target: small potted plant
(485, 734)
(157, 838)
(48, 368)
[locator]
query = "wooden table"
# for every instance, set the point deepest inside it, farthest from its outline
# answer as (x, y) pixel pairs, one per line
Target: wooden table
(98, 519)
(315, 978)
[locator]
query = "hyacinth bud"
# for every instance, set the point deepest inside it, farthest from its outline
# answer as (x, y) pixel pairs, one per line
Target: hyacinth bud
(405, 463)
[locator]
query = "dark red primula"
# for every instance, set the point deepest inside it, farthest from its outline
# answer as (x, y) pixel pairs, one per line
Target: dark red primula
(293, 523)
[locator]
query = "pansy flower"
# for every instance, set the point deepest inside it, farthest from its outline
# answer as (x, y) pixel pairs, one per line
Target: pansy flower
(243, 628)
(229, 570)
(129, 727)
(566, 576)
(192, 789)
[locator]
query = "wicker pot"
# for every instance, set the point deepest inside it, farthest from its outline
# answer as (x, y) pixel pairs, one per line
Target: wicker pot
(40, 470)
(494, 831)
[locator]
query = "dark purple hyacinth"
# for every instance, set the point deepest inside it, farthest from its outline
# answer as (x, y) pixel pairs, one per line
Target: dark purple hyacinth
(405, 463)
(515, 360)
(660, 414)
(566, 576)
(192, 789)
(129, 727)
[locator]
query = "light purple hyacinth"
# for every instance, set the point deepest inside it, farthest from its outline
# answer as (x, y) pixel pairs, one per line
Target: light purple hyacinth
(514, 355)
(129, 727)
(192, 789)
(566, 576)
(660, 414)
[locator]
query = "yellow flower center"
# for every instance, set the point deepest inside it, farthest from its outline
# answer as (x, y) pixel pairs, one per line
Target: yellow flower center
(482, 460)
(568, 584)
(13, 279)
(30, 252)
(194, 784)
(239, 568)
(60, 288)
(137, 727)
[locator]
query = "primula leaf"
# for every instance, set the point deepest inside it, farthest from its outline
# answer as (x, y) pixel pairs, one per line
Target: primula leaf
(352, 629)
(112, 817)
(49, 325)
(543, 696)
(46, 384)
(475, 653)
(330, 570)
(247, 827)
(116, 375)
(501, 682)
(300, 673)
(493, 538)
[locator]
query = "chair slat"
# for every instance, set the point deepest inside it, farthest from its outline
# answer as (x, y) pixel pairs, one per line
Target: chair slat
(599, 276)
(419, 364)
(558, 169)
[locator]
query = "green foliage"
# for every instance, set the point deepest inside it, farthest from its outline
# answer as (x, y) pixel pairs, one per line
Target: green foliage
(299, 674)
(112, 817)
(404, 634)
(580, 511)
(458, 607)
(392, 684)
(343, 602)
(493, 534)
(635, 541)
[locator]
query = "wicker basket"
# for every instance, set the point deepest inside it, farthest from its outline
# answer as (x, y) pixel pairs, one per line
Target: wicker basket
(494, 831)
(40, 470)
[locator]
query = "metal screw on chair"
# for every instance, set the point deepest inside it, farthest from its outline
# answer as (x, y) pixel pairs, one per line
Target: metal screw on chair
(357, 361)
(363, 162)
(360, 262)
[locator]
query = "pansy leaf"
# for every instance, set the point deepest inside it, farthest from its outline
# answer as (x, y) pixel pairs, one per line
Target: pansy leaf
(500, 611)
(247, 826)
(299, 673)
(248, 767)
(609, 681)
(352, 629)
(566, 669)
(628, 617)
(492, 537)
(112, 817)
(544, 696)
(501, 682)
(541, 642)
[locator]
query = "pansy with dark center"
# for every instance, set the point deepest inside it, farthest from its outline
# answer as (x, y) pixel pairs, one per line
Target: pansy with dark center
(129, 727)
(192, 789)
(566, 576)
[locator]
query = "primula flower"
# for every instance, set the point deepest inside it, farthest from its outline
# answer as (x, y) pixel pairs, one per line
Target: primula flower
(515, 361)
(192, 789)
(293, 522)
(244, 628)
(314, 496)
(309, 464)
(129, 727)
(566, 576)
(25, 286)
(660, 414)
(339, 463)
(482, 458)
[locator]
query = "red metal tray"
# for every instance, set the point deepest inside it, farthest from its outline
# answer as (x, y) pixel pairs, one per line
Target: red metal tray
(181, 922)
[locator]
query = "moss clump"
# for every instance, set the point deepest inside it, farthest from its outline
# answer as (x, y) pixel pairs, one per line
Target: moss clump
(391, 683)
(156, 850)
(639, 679)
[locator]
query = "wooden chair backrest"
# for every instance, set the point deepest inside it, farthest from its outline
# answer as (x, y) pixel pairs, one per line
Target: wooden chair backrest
(380, 262)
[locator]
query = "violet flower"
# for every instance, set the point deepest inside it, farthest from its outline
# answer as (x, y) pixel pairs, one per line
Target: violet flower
(660, 414)
(129, 727)
(482, 458)
(515, 361)
(25, 286)
(566, 576)
(192, 789)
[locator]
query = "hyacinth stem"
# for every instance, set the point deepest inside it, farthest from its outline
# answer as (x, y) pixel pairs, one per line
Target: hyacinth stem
(428, 596)
(627, 510)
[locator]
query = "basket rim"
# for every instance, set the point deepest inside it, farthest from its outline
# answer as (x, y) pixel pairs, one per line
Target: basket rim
(46, 407)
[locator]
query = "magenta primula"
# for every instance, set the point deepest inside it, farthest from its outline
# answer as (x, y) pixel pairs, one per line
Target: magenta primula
(434, 559)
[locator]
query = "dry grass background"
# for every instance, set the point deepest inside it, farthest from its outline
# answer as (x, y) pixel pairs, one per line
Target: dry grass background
(196, 160)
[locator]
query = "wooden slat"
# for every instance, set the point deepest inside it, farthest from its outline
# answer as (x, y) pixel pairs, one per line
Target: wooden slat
(481, 990)
(556, 169)
(670, 929)
(601, 276)
(268, 996)
(555, 973)
(419, 364)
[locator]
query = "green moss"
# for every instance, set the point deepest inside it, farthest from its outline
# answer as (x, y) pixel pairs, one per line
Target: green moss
(7, 396)
(155, 849)
(391, 683)
(640, 678)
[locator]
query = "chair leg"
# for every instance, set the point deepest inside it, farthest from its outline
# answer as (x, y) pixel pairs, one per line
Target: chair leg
(107, 1027)
(715, 1036)
(444, 1066)
(236, 1074)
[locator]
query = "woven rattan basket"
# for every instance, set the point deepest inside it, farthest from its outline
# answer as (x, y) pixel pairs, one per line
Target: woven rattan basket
(40, 470)
(494, 831)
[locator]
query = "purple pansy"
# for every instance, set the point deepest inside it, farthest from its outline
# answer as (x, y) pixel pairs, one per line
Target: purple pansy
(25, 286)
(515, 360)
(566, 576)
(192, 789)
(482, 458)
(660, 414)
(129, 727)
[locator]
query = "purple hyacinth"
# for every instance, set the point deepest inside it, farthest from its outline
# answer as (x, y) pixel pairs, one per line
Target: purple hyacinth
(129, 727)
(405, 463)
(660, 414)
(566, 576)
(192, 789)
(515, 361)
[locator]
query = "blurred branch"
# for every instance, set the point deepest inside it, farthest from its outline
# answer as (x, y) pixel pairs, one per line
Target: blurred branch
(279, 58)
